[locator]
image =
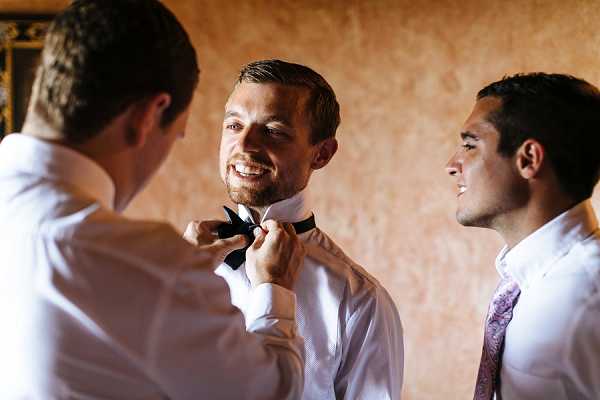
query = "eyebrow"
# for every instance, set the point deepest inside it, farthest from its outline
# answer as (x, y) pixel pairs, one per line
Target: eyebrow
(272, 118)
(232, 114)
(281, 120)
(468, 135)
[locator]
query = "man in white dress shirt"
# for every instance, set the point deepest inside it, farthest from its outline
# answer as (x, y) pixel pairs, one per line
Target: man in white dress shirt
(527, 167)
(98, 306)
(279, 126)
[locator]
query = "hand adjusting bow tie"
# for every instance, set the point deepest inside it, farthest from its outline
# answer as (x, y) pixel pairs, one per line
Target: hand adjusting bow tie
(237, 226)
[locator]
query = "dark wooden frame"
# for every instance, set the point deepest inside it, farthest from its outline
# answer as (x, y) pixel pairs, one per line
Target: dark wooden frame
(21, 41)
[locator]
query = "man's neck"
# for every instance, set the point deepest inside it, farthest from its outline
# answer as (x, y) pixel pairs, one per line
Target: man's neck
(106, 148)
(291, 209)
(524, 222)
(36, 127)
(257, 212)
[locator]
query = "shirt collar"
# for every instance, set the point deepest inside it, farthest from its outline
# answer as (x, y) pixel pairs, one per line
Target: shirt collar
(532, 257)
(293, 209)
(31, 155)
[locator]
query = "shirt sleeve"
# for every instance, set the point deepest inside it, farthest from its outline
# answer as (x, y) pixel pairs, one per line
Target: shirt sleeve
(205, 350)
(159, 304)
(582, 354)
(373, 352)
(272, 310)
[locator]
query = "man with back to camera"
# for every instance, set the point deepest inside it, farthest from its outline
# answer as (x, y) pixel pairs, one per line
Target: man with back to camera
(527, 168)
(99, 306)
(279, 126)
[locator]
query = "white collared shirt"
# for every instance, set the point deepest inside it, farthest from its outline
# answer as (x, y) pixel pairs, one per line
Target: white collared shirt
(97, 306)
(352, 331)
(552, 344)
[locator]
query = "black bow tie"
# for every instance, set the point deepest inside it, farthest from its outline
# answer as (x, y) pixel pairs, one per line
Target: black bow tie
(237, 226)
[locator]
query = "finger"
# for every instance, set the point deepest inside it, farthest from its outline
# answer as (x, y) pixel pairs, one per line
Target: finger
(211, 225)
(270, 225)
(232, 243)
(275, 230)
(192, 227)
(258, 230)
(259, 238)
(289, 228)
(191, 232)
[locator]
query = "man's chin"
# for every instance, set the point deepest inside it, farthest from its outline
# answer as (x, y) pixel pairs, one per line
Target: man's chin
(251, 198)
(468, 219)
(260, 196)
(463, 219)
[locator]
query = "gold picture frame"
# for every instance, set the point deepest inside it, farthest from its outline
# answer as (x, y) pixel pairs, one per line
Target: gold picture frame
(21, 41)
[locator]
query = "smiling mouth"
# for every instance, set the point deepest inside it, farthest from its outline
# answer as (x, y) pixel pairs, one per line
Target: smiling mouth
(249, 170)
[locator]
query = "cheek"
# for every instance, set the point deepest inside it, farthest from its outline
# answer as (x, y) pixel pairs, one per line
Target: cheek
(224, 154)
(496, 178)
(476, 169)
(293, 167)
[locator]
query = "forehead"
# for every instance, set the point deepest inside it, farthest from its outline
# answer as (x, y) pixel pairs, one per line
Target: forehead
(268, 98)
(479, 119)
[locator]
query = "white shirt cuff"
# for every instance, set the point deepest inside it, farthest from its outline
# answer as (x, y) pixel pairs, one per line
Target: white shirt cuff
(268, 302)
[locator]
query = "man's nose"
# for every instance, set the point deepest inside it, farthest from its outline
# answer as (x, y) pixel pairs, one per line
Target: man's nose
(249, 140)
(453, 166)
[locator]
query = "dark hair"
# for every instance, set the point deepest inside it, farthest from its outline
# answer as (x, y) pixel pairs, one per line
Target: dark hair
(100, 56)
(322, 105)
(559, 111)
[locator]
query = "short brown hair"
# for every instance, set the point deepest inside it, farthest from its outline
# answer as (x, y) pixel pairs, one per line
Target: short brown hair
(100, 56)
(562, 113)
(322, 105)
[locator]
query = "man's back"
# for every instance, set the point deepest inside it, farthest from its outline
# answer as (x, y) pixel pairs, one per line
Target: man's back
(52, 245)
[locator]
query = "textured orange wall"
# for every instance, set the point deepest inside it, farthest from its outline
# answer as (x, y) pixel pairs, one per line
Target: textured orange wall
(35, 6)
(406, 73)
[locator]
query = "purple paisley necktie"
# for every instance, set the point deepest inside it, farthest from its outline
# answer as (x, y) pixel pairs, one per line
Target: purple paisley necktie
(499, 315)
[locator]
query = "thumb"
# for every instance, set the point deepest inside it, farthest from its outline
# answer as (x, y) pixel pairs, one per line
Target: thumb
(259, 238)
(191, 233)
(232, 243)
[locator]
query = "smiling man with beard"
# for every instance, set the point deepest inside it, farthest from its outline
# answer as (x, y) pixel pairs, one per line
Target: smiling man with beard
(279, 126)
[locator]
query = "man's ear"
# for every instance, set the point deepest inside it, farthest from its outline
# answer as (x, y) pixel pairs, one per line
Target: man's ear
(530, 157)
(146, 116)
(325, 151)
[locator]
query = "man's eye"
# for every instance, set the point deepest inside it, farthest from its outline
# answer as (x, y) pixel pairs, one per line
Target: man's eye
(233, 126)
(468, 146)
(274, 132)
